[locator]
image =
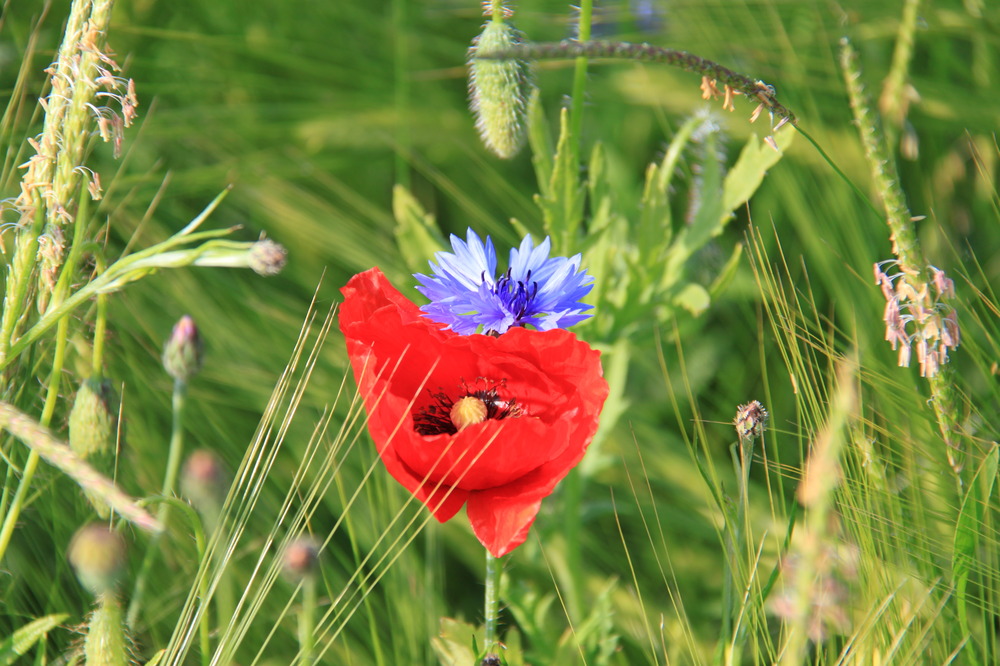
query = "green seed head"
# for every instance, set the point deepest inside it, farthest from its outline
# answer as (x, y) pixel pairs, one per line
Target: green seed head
(499, 90)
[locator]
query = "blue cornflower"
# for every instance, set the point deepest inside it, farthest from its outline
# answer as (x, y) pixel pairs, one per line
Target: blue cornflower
(537, 290)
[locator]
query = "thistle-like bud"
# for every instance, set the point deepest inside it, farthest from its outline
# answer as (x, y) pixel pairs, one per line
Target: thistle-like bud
(92, 430)
(301, 559)
(499, 89)
(750, 421)
(267, 258)
(97, 554)
(182, 355)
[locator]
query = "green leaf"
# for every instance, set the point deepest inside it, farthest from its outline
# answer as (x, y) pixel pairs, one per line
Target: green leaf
(710, 215)
(454, 643)
(751, 167)
(694, 298)
(562, 201)
(540, 140)
(727, 273)
(971, 515)
(22, 640)
(417, 233)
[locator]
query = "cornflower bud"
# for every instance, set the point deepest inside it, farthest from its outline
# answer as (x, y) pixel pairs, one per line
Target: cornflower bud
(750, 421)
(301, 559)
(182, 355)
(267, 258)
(204, 482)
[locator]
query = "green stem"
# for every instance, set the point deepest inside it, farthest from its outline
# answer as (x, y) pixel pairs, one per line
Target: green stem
(491, 643)
(169, 483)
(307, 620)
(579, 79)
(52, 392)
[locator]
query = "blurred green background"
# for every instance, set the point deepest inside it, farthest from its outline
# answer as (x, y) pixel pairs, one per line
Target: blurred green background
(313, 111)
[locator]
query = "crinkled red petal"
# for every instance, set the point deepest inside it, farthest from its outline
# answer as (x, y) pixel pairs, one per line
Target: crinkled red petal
(502, 468)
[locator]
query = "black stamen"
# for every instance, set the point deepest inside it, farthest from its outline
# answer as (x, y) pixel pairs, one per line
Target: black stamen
(435, 419)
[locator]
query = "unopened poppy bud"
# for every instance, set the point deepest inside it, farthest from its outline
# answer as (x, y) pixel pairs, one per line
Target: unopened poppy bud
(97, 554)
(92, 431)
(468, 411)
(267, 258)
(301, 559)
(182, 355)
(204, 481)
(499, 89)
(92, 419)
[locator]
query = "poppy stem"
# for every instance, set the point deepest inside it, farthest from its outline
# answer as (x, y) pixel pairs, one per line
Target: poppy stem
(491, 643)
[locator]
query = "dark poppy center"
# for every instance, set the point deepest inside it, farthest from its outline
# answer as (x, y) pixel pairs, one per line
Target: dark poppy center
(449, 413)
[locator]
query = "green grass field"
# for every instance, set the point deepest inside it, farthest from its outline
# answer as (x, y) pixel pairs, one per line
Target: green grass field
(733, 262)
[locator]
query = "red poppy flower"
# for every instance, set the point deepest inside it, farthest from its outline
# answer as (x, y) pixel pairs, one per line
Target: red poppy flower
(492, 422)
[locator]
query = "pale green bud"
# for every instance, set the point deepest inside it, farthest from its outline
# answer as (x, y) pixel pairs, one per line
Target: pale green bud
(499, 89)
(92, 428)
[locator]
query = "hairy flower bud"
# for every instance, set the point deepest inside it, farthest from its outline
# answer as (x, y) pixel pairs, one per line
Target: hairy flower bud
(182, 355)
(92, 419)
(92, 430)
(97, 554)
(499, 89)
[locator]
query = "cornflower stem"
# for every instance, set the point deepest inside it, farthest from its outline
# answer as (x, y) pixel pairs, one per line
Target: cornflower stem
(905, 245)
(307, 621)
(580, 77)
(169, 484)
(731, 642)
(401, 89)
(491, 641)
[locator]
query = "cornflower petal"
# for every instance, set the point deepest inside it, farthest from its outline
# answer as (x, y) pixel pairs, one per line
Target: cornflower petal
(537, 290)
